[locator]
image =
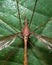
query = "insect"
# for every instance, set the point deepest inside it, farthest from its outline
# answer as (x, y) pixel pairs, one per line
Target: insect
(25, 33)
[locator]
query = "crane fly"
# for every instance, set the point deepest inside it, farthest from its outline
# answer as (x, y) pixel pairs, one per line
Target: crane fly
(6, 41)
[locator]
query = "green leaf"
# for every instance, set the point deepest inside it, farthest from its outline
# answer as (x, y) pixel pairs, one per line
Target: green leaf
(10, 24)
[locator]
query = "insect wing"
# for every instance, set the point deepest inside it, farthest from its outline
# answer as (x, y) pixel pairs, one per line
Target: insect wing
(44, 40)
(6, 41)
(47, 41)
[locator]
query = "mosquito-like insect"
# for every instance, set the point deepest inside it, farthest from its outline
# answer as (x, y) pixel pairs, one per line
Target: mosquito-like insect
(25, 33)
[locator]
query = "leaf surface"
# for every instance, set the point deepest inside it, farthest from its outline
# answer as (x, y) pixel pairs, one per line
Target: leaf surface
(9, 24)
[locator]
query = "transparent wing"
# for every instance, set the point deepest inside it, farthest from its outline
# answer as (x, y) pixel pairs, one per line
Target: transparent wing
(7, 40)
(5, 43)
(44, 39)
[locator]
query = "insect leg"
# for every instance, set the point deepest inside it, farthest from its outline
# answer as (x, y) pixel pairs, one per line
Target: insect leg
(33, 12)
(42, 25)
(19, 14)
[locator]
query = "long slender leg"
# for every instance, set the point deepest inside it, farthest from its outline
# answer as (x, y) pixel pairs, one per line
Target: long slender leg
(33, 12)
(35, 49)
(9, 55)
(42, 25)
(39, 55)
(19, 15)
(9, 36)
(19, 20)
(32, 45)
(10, 26)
